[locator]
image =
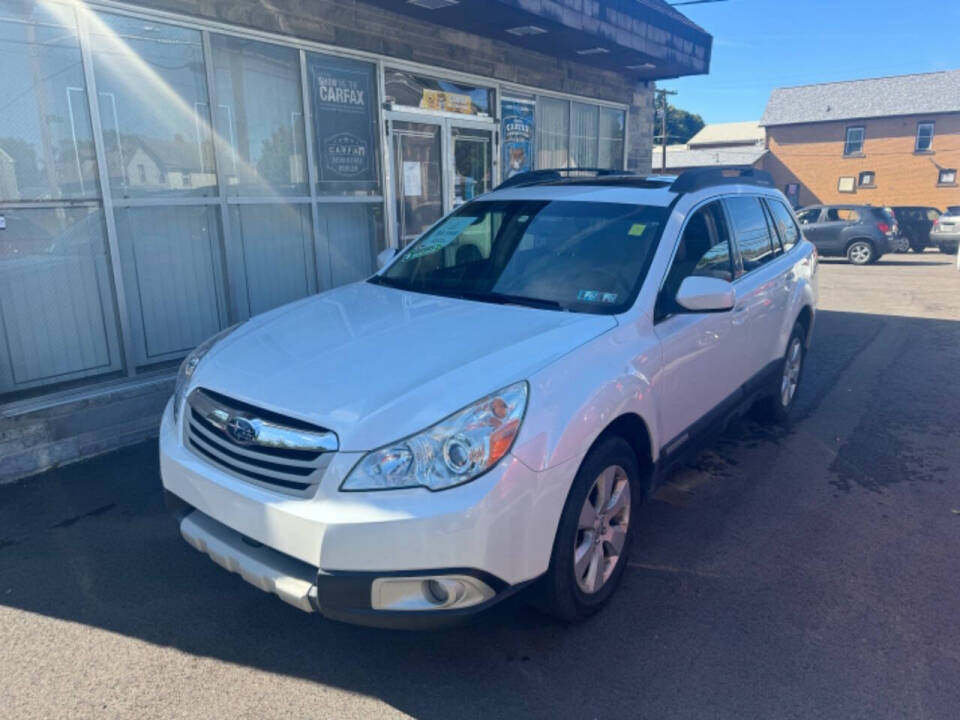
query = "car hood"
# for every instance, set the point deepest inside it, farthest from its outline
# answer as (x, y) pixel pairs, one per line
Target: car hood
(375, 364)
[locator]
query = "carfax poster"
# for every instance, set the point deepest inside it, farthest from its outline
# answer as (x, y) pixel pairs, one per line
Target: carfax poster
(344, 120)
(518, 135)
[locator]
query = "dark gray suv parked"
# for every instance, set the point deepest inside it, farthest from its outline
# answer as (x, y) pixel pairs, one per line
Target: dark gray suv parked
(861, 233)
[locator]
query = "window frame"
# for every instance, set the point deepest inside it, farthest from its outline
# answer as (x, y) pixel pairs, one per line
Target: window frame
(871, 184)
(853, 184)
(946, 183)
(916, 143)
(846, 140)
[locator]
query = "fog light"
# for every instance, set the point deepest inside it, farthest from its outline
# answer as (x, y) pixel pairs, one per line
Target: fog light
(435, 592)
(441, 592)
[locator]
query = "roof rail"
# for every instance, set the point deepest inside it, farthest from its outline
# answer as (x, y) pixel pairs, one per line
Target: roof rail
(539, 177)
(700, 178)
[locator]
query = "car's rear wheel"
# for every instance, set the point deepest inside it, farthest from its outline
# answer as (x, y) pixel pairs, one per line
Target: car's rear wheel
(776, 407)
(861, 252)
(596, 527)
(947, 249)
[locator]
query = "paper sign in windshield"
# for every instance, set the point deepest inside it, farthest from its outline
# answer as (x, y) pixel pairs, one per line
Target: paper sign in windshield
(440, 238)
(637, 229)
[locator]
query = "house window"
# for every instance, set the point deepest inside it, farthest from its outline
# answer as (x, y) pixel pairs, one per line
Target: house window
(187, 179)
(867, 179)
(854, 142)
(924, 137)
(847, 184)
(142, 171)
(947, 177)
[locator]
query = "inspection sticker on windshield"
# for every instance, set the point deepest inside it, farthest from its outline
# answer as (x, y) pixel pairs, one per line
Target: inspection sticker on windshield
(637, 229)
(440, 238)
(596, 296)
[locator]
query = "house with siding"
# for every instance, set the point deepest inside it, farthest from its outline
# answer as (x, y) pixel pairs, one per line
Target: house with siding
(880, 141)
(737, 144)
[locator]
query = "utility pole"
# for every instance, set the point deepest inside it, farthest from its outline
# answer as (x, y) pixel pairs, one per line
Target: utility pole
(662, 94)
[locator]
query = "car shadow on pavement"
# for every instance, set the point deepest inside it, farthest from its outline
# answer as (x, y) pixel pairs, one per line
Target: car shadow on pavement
(717, 603)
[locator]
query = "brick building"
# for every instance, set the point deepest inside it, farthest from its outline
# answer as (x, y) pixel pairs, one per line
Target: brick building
(881, 141)
(731, 144)
(169, 168)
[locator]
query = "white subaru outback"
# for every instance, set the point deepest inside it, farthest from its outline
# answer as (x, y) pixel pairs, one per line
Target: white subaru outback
(489, 410)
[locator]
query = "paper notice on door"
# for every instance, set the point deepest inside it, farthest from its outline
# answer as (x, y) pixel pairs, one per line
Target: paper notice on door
(412, 179)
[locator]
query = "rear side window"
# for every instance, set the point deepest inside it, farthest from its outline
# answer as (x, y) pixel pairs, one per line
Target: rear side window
(751, 230)
(783, 220)
(932, 214)
(842, 215)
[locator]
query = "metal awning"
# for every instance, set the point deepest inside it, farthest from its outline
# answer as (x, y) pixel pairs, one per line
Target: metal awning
(643, 39)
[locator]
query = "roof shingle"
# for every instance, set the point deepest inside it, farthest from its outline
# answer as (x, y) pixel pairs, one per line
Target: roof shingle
(923, 94)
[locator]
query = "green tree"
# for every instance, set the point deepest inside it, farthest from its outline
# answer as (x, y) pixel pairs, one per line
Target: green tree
(681, 125)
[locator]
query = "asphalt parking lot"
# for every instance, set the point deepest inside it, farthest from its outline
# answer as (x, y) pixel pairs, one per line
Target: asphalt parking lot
(810, 572)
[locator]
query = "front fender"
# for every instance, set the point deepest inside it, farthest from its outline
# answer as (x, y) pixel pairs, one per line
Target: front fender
(576, 398)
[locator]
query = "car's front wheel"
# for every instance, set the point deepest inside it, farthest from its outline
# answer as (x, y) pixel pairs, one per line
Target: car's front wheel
(861, 252)
(593, 538)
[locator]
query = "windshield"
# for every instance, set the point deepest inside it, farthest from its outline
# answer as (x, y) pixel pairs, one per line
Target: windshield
(580, 256)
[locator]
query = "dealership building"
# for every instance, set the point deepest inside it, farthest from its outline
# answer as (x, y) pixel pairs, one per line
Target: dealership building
(171, 168)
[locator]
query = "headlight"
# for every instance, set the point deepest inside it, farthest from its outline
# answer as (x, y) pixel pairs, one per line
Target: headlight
(189, 366)
(452, 452)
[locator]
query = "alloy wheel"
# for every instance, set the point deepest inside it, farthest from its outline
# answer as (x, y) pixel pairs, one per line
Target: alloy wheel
(791, 373)
(860, 253)
(602, 529)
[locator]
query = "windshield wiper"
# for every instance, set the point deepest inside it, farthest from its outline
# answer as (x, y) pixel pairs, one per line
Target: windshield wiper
(493, 297)
(506, 299)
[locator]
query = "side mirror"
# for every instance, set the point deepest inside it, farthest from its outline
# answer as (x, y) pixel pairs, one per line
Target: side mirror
(384, 257)
(706, 294)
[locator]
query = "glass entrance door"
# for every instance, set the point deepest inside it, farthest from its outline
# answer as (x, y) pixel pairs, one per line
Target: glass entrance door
(418, 181)
(472, 157)
(438, 164)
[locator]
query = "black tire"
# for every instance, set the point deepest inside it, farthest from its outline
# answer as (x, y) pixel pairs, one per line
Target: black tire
(861, 252)
(562, 595)
(947, 249)
(774, 409)
(917, 247)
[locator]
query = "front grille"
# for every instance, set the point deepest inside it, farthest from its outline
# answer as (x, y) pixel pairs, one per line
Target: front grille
(292, 467)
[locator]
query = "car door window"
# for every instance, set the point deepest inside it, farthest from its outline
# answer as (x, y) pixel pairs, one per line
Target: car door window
(786, 227)
(808, 217)
(751, 231)
(704, 250)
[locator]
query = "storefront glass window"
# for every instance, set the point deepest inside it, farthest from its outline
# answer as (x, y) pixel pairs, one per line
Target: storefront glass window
(408, 90)
(612, 123)
(46, 145)
(277, 246)
(171, 271)
(153, 107)
(553, 135)
(258, 115)
(56, 303)
(351, 235)
(344, 99)
(585, 126)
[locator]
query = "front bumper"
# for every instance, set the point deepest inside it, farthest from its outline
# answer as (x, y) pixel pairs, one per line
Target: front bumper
(499, 529)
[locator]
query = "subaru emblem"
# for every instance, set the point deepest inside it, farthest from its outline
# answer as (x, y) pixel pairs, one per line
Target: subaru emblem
(241, 431)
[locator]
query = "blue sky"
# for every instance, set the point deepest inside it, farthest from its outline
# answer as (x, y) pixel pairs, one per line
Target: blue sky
(762, 44)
